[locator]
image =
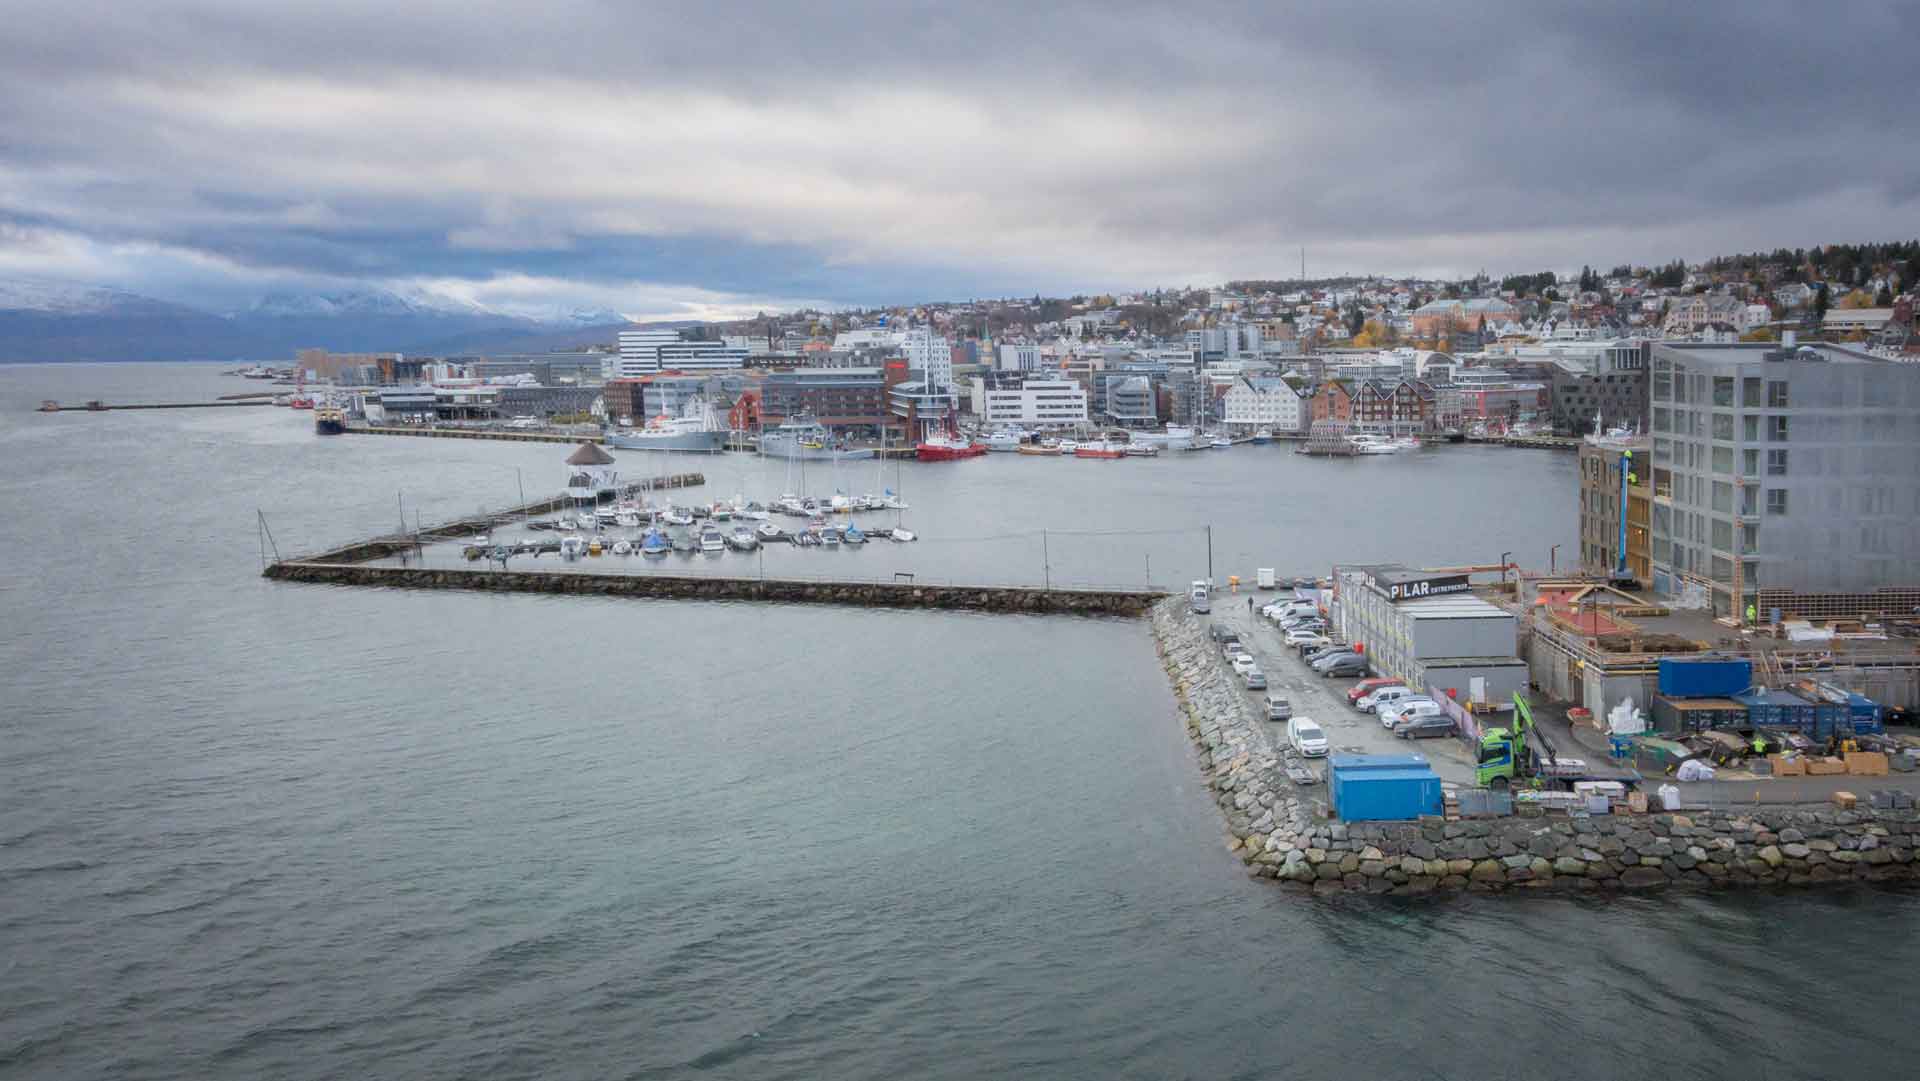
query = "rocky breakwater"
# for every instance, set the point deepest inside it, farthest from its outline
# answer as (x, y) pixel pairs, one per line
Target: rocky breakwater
(1268, 816)
(1280, 831)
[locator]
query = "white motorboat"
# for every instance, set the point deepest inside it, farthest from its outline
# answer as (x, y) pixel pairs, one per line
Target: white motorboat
(622, 547)
(742, 539)
(711, 540)
(1365, 443)
(903, 535)
(1006, 439)
(768, 531)
(572, 548)
(1221, 442)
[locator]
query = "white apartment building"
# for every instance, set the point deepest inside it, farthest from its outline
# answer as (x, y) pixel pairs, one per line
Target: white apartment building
(930, 353)
(1019, 358)
(644, 352)
(1039, 402)
(1255, 403)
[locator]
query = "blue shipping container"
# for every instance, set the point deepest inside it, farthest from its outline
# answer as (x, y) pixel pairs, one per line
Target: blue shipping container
(1868, 718)
(1365, 789)
(1778, 709)
(1704, 678)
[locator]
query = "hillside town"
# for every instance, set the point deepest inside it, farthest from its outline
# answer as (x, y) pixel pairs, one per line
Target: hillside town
(1526, 353)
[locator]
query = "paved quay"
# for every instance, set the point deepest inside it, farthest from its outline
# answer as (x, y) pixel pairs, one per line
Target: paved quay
(1325, 700)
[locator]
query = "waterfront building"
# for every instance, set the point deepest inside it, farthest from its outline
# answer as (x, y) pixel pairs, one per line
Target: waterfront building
(839, 398)
(1036, 402)
(547, 369)
(1783, 470)
(1131, 400)
(644, 352)
(1331, 400)
(929, 354)
(1405, 405)
(1257, 403)
(1602, 457)
(1019, 358)
(1428, 628)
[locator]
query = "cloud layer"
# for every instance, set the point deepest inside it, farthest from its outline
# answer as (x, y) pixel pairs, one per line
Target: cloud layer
(650, 157)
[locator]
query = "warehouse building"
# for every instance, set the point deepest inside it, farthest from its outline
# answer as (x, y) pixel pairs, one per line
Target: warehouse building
(1428, 628)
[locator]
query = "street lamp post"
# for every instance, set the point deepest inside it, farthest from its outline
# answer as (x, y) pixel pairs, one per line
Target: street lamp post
(1553, 559)
(1503, 567)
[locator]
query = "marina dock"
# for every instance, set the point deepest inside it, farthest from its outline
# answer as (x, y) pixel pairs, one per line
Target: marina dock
(103, 407)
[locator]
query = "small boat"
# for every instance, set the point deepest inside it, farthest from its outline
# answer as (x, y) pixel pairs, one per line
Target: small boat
(722, 512)
(623, 548)
(606, 516)
(48, 405)
(677, 516)
(770, 532)
(655, 543)
(1220, 442)
(742, 539)
(902, 535)
(1140, 450)
(943, 448)
(1263, 436)
(1011, 439)
(329, 420)
(594, 547)
(754, 512)
(853, 535)
(806, 539)
(568, 525)
(684, 543)
(712, 540)
(893, 501)
(1045, 449)
(572, 548)
(1101, 449)
(829, 537)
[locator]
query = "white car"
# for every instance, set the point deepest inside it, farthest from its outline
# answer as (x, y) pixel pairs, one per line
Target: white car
(1303, 639)
(1371, 702)
(1420, 706)
(1306, 737)
(1244, 663)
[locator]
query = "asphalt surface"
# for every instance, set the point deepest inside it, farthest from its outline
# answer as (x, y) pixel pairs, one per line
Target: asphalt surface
(1325, 700)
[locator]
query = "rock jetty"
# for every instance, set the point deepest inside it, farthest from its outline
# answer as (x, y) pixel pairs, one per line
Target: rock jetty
(1280, 827)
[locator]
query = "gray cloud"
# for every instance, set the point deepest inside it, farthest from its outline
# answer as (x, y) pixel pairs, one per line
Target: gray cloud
(867, 151)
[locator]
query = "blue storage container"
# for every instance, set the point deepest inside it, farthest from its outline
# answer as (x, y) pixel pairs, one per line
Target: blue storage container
(1829, 717)
(1715, 678)
(1383, 788)
(1778, 709)
(1868, 718)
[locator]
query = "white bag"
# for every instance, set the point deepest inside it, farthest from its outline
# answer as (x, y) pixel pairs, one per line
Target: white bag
(1669, 797)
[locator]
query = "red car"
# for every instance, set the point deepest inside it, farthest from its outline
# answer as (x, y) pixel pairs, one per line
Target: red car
(1368, 686)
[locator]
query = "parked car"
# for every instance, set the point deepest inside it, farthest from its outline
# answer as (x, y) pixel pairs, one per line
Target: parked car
(1231, 649)
(1322, 656)
(1306, 737)
(1222, 633)
(1244, 663)
(1305, 640)
(1380, 697)
(1437, 724)
(1348, 664)
(1278, 708)
(1288, 622)
(1256, 679)
(1394, 712)
(1368, 686)
(1314, 653)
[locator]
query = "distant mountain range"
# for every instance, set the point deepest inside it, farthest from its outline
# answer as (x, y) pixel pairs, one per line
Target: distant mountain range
(56, 321)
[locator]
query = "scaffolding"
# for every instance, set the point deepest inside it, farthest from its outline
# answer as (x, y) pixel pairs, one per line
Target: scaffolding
(1889, 603)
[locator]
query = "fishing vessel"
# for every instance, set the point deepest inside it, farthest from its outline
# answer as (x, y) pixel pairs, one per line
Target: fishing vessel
(1101, 449)
(1049, 450)
(947, 448)
(806, 439)
(1006, 439)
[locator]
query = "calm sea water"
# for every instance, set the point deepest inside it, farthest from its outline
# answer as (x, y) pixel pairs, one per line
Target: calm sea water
(252, 830)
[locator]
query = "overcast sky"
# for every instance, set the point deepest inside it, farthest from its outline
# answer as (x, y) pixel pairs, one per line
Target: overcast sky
(708, 158)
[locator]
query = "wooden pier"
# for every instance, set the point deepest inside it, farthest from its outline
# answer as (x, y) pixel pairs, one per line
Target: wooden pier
(103, 407)
(508, 436)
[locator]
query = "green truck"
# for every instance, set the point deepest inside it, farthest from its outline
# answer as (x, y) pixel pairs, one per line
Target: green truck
(1523, 754)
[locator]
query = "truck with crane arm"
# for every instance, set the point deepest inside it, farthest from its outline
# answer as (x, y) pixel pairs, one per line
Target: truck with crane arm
(1522, 754)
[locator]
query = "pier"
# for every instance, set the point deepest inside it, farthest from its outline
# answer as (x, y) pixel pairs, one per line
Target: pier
(872, 594)
(103, 407)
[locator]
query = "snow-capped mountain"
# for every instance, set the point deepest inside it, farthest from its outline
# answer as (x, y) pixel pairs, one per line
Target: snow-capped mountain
(42, 320)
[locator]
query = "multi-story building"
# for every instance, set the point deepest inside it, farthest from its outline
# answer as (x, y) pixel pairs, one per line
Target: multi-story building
(643, 352)
(1019, 358)
(1406, 405)
(1602, 460)
(928, 354)
(1785, 469)
(1427, 628)
(1604, 379)
(1131, 401)
(1256, 403)
(1330, 401)
(839, 398)
(1043, 402)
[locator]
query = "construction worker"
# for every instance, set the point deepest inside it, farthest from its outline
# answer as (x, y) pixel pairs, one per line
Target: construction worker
(1759, 744)
(1751, 613)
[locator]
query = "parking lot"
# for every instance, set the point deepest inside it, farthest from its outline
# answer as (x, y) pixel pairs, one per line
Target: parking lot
(1325, 700)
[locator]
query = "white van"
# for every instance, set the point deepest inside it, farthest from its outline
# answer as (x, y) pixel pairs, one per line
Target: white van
(1201, 597)
(1306, 737)
(1381, 697)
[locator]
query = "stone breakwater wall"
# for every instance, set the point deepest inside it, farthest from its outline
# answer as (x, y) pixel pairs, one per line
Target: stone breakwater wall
(1280, 830)
(1088, 602)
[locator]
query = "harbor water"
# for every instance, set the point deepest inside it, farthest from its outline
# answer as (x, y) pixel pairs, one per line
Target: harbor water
(251, 829)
